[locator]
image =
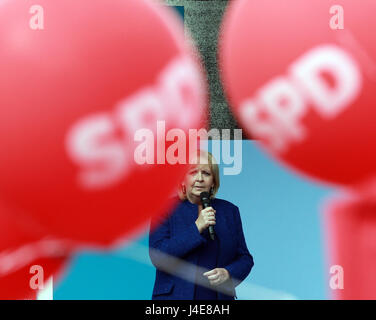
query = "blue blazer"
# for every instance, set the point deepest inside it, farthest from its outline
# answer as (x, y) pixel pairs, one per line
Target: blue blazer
(177, 236)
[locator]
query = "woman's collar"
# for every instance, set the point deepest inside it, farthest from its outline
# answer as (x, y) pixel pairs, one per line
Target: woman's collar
(190, 204)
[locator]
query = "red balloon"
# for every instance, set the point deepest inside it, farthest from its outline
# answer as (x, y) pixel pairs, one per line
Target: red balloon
(27, 256)
(301, 77)
(350, 223)
(82, 85)
(26, 282)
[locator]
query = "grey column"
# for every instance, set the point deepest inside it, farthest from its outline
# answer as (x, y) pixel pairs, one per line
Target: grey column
(203, 19)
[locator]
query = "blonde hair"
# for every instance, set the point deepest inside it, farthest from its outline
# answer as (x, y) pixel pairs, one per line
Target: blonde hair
(213, 165)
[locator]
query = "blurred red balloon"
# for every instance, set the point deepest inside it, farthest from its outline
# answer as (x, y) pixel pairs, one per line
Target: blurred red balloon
(27, 281)
(303, 85)
(24, 244)
(82, 85)
(350, 222)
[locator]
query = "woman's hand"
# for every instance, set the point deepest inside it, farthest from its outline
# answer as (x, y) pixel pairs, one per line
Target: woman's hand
(217, 276)
(205, 219)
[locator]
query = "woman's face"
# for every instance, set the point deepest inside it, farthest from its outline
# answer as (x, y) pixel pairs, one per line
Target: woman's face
(199, 179)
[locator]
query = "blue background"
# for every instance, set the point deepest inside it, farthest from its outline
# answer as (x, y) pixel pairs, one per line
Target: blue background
(283, 229)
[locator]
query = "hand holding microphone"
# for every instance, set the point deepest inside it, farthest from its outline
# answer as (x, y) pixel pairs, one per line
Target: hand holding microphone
(205, 219)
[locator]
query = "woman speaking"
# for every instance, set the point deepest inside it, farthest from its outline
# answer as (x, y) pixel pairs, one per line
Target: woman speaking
(190, 264)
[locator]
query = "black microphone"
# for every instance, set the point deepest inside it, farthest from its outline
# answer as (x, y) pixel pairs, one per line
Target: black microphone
(205, 200)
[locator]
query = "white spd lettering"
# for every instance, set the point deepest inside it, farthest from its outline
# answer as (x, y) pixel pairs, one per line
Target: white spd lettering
(276, 113)
(104, 157)
(92, 143)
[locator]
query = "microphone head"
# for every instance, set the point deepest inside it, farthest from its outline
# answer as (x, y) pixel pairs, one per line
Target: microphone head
(204, 195)
(205, 199)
